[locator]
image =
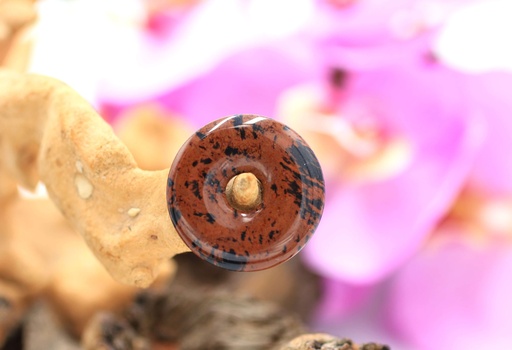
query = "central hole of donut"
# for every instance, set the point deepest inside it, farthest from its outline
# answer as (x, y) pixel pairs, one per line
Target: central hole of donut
(244, 192)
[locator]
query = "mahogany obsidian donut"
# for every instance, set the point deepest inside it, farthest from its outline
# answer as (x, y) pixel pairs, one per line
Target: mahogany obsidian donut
(292, 193)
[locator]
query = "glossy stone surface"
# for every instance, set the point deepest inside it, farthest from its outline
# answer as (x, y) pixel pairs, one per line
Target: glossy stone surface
(292, 188)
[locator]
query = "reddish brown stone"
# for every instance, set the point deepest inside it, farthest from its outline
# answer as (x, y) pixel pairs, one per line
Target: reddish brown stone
(292, 193)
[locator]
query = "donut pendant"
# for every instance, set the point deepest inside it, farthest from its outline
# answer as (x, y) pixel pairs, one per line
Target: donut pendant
(245, 193)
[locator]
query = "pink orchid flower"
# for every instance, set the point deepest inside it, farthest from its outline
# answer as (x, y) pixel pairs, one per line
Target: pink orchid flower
(456, 293)
(396, 145)
(364, 34)
(174, 48)
(249, 82)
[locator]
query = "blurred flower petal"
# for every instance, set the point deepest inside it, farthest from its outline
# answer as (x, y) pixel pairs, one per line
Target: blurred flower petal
(455, 295)
(362, 34)
(248, 82)
(370, 229)
(375, 22)
(212, 32)
(340, 299)
(490, 96)
(358, 312)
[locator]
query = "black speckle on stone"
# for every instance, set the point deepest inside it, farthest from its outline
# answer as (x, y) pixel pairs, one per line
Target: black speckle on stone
(287, 160)
(258, 128)
(170, 183)
(286, 127)
(284, 249)
(306, 161)
(260, 239)
(231, 151)
(197, 244)
(175, 215)
(194, 163)
(212, 198)
(273, 187)
(212, 258)
(210, 218)
(241, 131)
(242, 235)
(317, 203)
(211, 180)
(238, 120)
(307, 181)
(271, 234)
(200, 135)
(216, 145)
(206, 160)
(231, 261)
(195, 189)
(295, 190)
